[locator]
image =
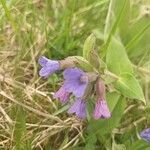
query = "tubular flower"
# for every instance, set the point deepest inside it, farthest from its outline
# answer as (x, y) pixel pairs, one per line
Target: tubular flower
(145, 135)
(101, 110)
(76, 81)
(48, 66)
(62, 95)
(79, 108)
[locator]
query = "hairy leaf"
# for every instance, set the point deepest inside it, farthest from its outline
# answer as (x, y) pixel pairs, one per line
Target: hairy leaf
(117, 59)
(130, 87)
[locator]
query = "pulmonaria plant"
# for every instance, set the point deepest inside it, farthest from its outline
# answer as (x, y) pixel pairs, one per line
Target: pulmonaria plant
(78, 83)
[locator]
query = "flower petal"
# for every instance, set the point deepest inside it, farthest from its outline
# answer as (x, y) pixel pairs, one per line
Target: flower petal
(62, 95)
(79, 91)
(101, 110)
(145, 135)
(79, 108)
(42, 61)
(49, 67)
(73, 81)
(73, 74)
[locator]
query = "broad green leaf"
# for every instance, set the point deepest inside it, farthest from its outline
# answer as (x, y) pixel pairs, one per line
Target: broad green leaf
(128, 85)
(104, 126)
(112, 99)
(117, 59)
(88, 46)
(89, 53)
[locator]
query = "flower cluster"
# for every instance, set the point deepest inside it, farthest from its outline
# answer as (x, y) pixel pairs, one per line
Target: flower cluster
(76, 82)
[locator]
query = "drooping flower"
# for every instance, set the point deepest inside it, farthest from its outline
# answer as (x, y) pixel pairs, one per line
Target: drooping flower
(79, 108)
(101, 110)
(48, 66)
(62, 95)
(145, 135)
(76, 81)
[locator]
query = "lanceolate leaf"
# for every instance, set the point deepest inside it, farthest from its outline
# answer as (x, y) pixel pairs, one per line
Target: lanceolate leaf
(117, 59)
(112, 100)
(118, 63)
(129, 87)
(88, 46)
(89, 52)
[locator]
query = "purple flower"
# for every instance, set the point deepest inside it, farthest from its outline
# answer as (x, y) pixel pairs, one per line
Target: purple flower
(101, 110)
(79, 108)
(62, 95)
(76, 81)
(145, 135)
(48, 66)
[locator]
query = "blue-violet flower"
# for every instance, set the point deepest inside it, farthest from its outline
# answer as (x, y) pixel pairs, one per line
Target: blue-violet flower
(101, 110)
(79, 108)
(62, 95)
(76, 81)
(145, 135)
(48, 66)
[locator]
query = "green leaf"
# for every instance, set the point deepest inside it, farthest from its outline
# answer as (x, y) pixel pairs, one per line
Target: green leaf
(137, 37)
(20, 128)
(89, 53)
(112, 99)
(116, 22)
(61, 110)
(128, 85)
(117, 16)
(117, 59)
(104, 126)
(88, 46)
(83, 63)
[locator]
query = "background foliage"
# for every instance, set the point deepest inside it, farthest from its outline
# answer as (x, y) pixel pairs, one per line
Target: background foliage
(30, 118)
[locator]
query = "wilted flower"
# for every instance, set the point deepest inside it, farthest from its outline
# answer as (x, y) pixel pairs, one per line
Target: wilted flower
(101, 110)
(62, 95)
(79, 108)
(48, 66)
(145, 135)
(75, 81)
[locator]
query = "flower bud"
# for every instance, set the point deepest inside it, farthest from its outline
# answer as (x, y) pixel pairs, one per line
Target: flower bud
(100, 89)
